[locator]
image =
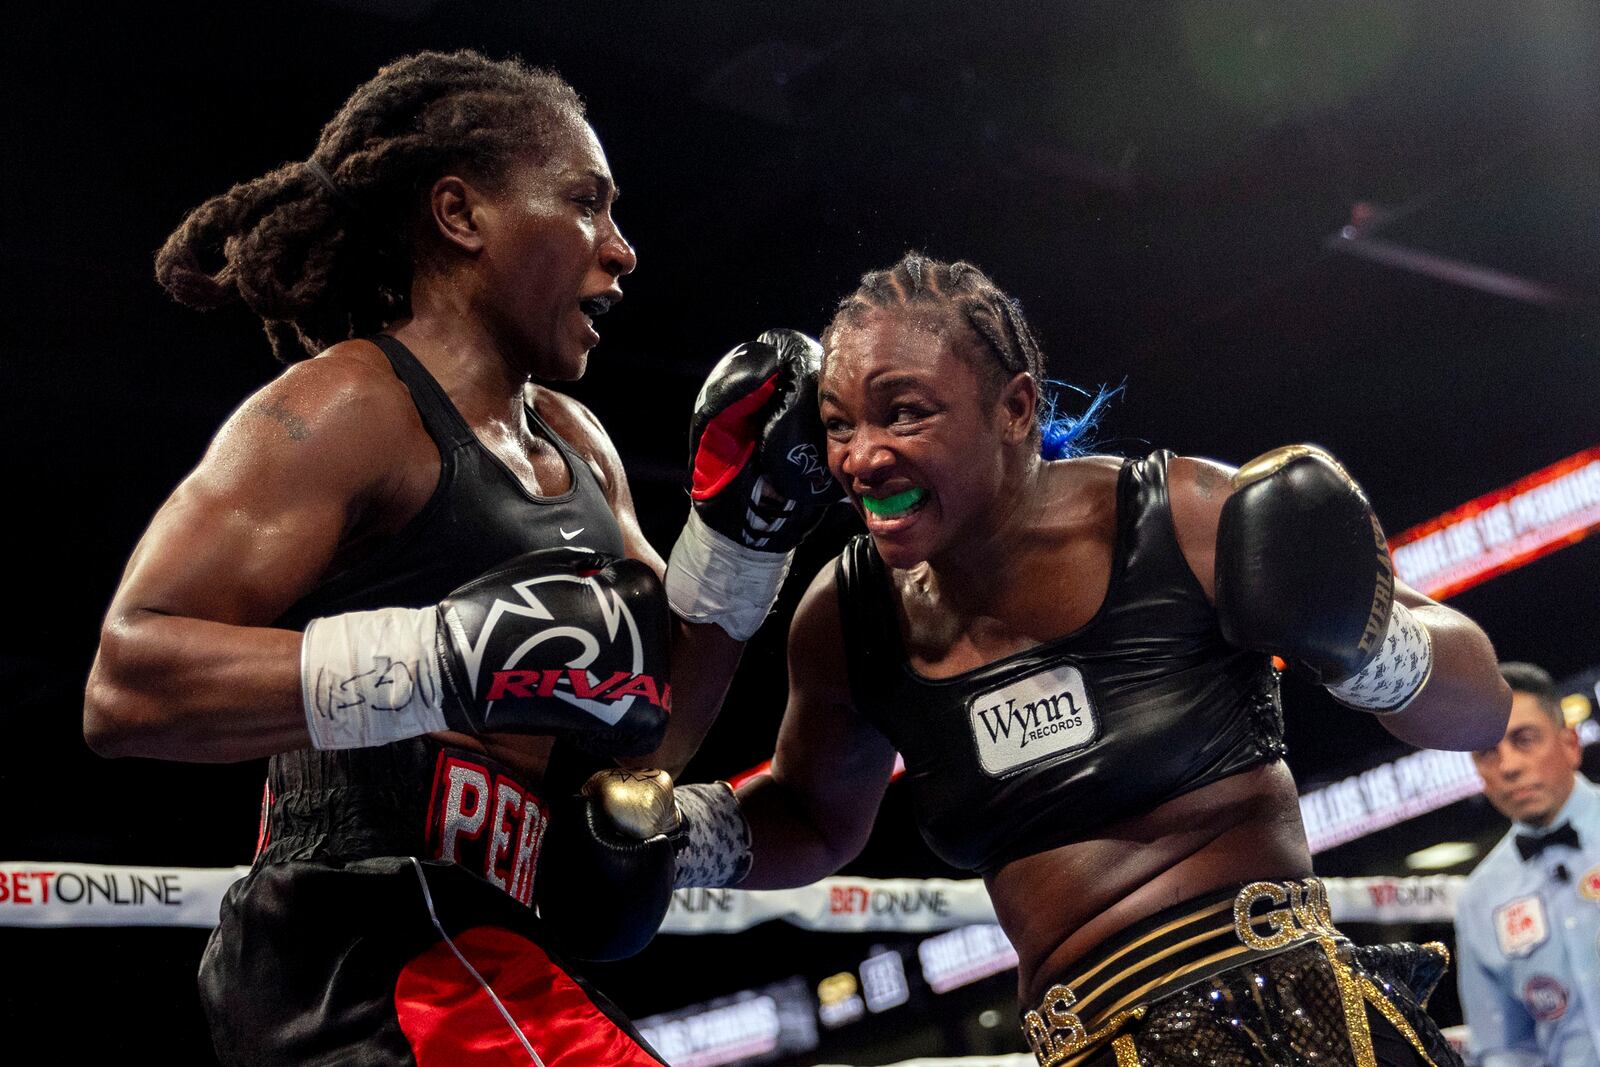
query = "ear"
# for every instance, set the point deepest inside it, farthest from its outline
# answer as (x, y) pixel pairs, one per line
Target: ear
(455, 207)
(1571, 747)
(1018, 401)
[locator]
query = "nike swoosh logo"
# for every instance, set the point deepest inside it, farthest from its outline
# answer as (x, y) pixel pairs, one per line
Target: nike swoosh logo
(569, 536)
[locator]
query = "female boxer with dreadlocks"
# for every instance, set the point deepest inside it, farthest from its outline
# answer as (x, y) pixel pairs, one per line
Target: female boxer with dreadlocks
(1073, 657)
(409, 571)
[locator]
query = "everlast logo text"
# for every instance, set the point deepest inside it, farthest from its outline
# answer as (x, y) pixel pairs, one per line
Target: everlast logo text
(1382, 596)
(1032, 719)
(484, 820)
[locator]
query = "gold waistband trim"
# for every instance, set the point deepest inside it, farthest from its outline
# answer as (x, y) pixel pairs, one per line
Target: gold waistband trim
(1102, 993)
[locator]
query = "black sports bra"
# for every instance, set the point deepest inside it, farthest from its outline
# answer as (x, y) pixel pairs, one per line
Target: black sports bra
(1144, 703)
(479, 515)
(372, 801)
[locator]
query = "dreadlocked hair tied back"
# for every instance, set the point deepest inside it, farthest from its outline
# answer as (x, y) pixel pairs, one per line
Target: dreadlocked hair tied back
(995, 319)
(322, 258)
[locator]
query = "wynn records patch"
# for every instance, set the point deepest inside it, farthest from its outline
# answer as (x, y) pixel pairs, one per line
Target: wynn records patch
(1032, 719)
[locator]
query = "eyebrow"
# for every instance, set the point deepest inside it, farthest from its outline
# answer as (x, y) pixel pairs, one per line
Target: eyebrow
(895, 380)
(884, 383)
(605, 184)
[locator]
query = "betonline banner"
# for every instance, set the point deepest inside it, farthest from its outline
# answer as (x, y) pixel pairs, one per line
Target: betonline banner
(1502, 530)
(51, 893)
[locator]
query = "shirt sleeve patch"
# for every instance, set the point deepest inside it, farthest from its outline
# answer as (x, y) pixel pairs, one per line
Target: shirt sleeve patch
(1520, 926)
(1545, 997)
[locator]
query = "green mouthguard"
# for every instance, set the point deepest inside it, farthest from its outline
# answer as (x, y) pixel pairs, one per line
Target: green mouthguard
(897, 504)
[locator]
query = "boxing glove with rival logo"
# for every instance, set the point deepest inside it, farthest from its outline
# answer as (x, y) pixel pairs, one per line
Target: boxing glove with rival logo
(560, 642)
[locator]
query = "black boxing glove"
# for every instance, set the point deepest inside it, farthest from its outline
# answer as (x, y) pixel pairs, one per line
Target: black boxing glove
(1303, 572)
(758, 472)
(558, 642)
(759, 481)
(606, 865)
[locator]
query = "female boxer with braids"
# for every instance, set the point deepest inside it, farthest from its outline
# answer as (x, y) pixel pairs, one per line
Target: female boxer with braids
(1072, 656)
(414, 578)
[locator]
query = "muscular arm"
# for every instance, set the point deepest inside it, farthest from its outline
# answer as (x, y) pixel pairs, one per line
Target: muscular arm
(813, 813)
(704, 657)
(189, 667)
(1465, 703)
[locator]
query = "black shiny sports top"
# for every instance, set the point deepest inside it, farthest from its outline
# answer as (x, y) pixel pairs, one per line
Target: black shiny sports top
(370, 801)
(1143, 703)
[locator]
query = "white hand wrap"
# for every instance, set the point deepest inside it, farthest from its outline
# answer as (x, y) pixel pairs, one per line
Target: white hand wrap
(1393, 677)
(716, 848)
(371, 677)
(711, 578)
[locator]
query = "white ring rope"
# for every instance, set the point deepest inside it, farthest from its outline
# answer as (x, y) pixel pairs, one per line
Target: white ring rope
(46, 893)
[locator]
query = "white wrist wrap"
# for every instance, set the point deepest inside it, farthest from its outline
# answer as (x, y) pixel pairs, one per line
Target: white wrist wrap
(1393, 677)
(711, 578)
(371, 677)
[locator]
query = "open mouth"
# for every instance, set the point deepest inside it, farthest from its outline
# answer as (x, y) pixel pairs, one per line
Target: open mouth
(895, 505)
(592, 307)
(595, 306)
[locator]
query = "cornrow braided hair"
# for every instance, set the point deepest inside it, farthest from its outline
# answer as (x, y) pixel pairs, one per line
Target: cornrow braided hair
(994, 318)
(321, 261)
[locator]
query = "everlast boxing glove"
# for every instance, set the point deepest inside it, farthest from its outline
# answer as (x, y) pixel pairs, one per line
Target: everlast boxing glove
(1303, 572)
(560, 642)
(606, 864)
(759, 481)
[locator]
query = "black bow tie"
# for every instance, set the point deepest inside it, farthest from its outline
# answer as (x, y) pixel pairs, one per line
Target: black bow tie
(1529, 846)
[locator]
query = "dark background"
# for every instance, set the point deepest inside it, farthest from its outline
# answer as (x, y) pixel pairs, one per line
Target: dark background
(1156, 182)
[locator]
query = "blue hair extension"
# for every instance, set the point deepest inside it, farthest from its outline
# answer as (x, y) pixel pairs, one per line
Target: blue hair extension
(1063, 436)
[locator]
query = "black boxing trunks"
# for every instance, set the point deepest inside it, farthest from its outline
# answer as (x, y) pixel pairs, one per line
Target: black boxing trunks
(339, 946)
(1248, 978)
(398, 928)
(397, 961)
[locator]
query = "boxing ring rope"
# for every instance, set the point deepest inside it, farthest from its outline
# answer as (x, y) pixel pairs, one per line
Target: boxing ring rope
(47, 894)
(51, 894)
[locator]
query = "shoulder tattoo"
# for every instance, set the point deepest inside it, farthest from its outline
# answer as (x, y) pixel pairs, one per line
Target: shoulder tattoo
(275, 410)
(1208, 480)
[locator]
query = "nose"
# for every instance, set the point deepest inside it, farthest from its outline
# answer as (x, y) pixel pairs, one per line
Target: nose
(1509, 763)
(865, 456)
(617, 256)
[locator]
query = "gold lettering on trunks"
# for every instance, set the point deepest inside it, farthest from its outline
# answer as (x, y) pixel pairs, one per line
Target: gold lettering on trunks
(1055, 1032)
(1299, 910)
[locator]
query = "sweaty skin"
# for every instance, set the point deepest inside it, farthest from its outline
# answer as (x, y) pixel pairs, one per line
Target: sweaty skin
(329, 460)
(1005, 553)
(1243, 828)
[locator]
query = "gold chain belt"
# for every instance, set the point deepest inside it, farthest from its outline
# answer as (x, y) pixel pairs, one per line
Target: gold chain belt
(1169, 951)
